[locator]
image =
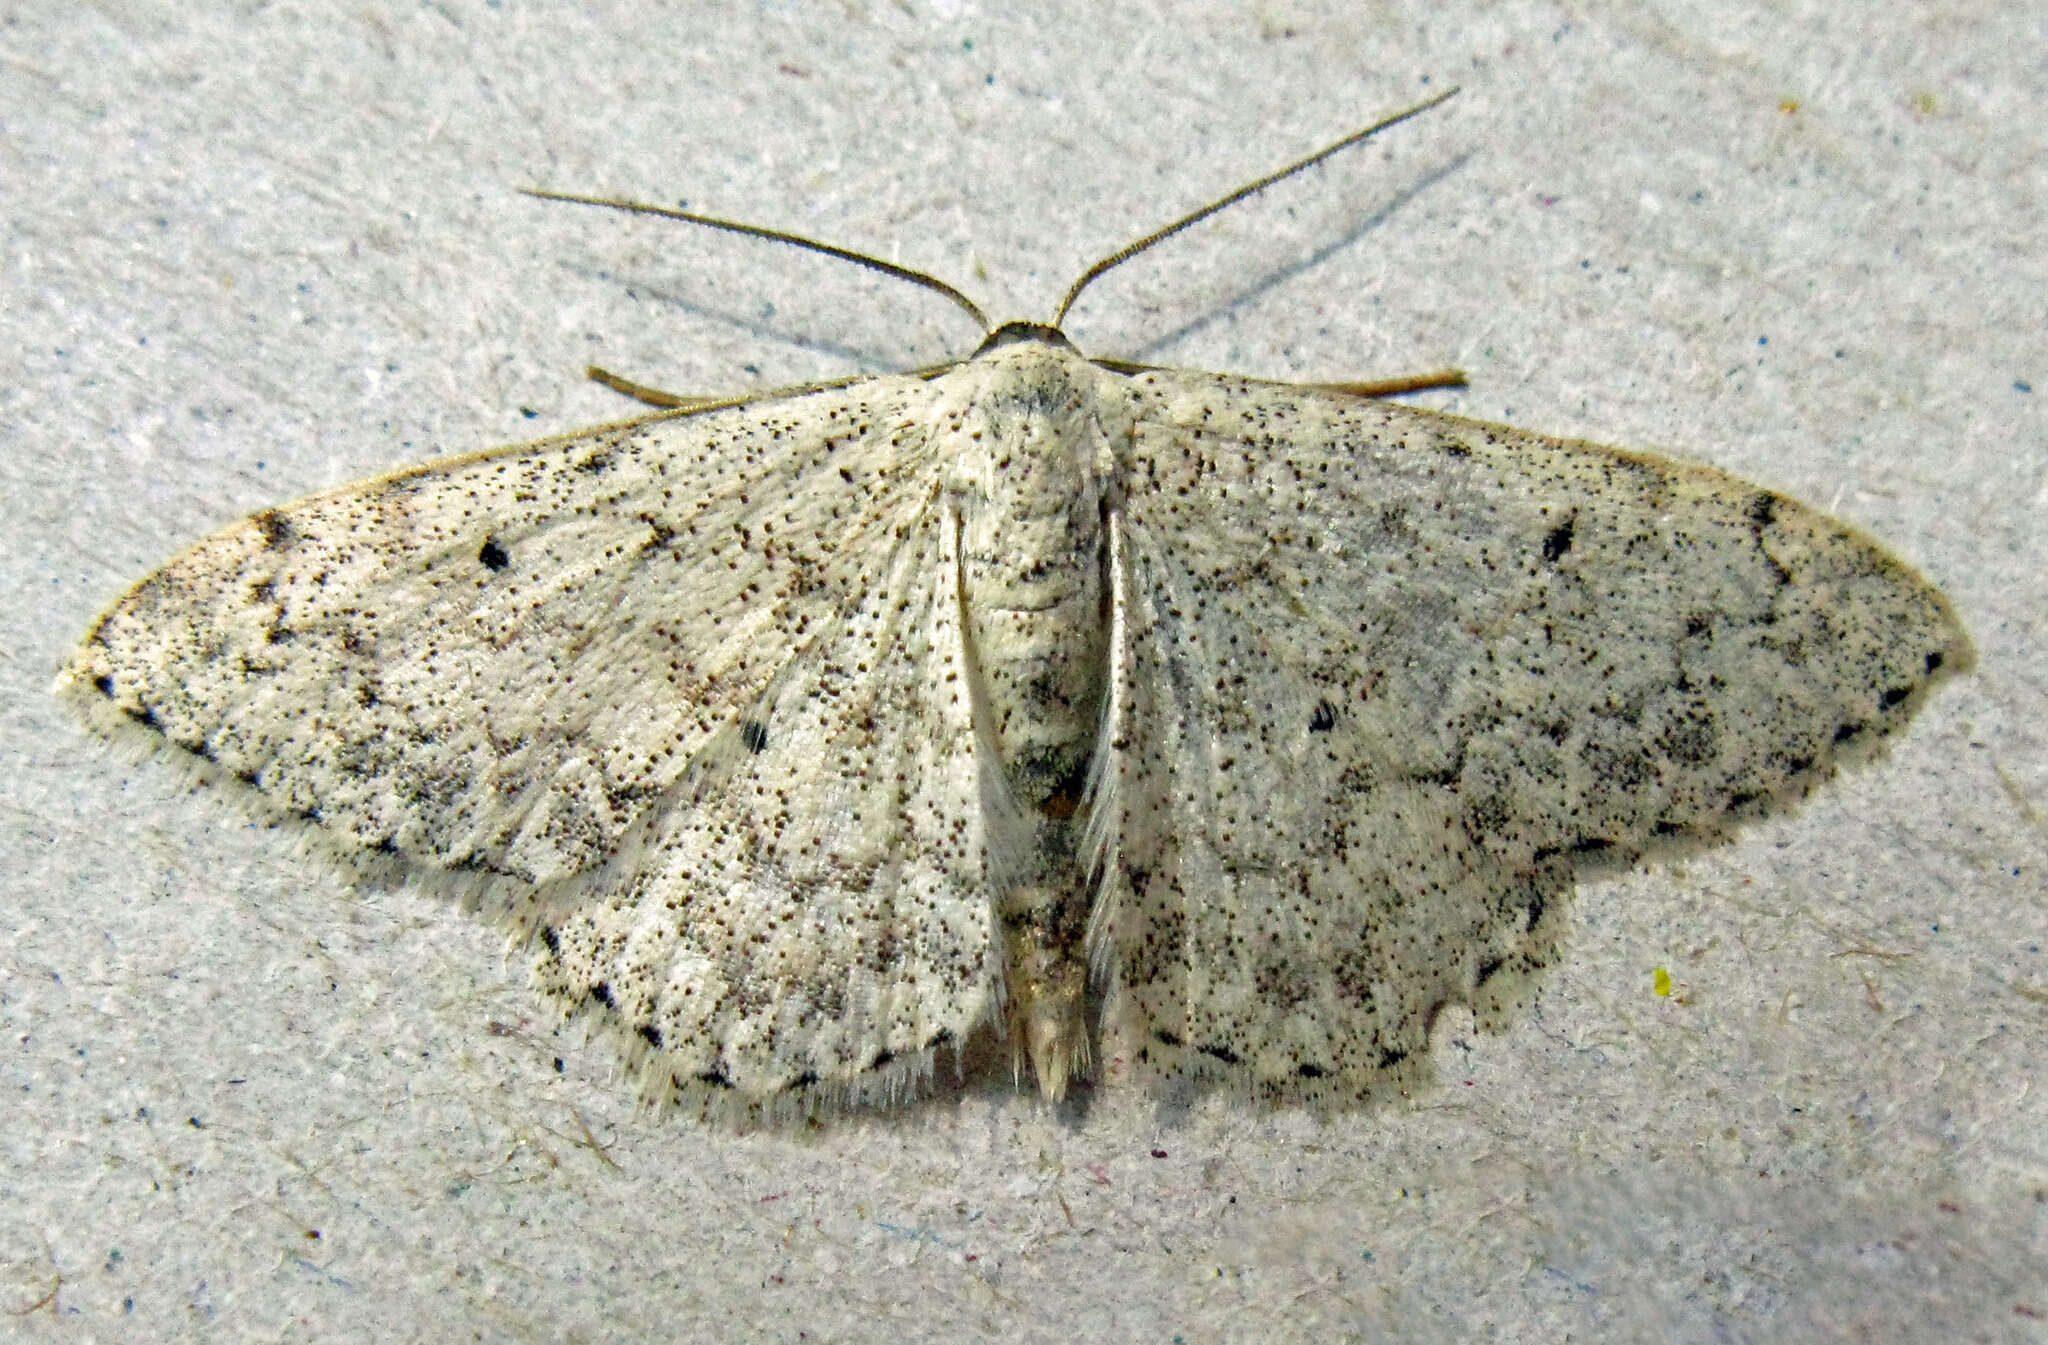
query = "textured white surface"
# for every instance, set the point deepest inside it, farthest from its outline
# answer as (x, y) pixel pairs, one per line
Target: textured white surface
(254, 253)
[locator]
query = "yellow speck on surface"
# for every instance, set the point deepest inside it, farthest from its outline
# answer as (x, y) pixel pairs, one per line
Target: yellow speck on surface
(1660, 980)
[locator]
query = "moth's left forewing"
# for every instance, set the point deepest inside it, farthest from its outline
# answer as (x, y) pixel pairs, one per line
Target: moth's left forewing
(485, 670)
(1406, 675)
(671, 696)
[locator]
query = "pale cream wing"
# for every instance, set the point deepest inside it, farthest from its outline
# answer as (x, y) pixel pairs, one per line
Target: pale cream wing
(679, 697)
(488, 669)
(804, 922)
(1394, 679)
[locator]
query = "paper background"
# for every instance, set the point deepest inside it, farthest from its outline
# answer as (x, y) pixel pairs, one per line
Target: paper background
(250, 251)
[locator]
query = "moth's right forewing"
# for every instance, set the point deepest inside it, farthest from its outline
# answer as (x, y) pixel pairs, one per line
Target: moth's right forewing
(1398, 677)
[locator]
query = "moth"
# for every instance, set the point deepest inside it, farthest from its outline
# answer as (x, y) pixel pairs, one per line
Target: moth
(1245, 725)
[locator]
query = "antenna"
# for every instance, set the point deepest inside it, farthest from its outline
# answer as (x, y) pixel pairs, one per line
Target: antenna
(938, 286)
(1130, 250)
(930, 282)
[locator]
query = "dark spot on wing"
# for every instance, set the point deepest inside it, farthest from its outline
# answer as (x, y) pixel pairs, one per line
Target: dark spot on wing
(493, 556)
(276, 532)
(755, 735)
(1763, 511)
(1324, 719)
(660, 536)
(1584, 845)
(1558, 541)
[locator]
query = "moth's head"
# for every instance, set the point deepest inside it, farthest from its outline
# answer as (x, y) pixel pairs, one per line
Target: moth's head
(1012, 333)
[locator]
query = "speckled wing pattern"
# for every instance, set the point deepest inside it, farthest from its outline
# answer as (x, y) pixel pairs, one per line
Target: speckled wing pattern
(806, 736)
(1397, 678)
(658, 694)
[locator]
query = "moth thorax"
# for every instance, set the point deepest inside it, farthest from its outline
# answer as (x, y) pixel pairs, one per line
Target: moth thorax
(1033, 575)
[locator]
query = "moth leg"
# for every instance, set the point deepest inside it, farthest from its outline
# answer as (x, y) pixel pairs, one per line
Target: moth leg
(684, 401)
(652, 396)
(1395, 387)
(1379, 387)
